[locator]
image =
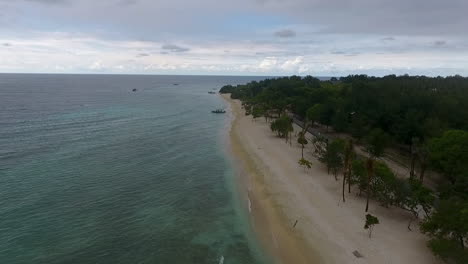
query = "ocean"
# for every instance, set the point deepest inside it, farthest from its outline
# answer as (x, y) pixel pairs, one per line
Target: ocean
(92, 172)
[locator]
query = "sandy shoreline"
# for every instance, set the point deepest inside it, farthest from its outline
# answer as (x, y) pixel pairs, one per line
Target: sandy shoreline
(278, 193)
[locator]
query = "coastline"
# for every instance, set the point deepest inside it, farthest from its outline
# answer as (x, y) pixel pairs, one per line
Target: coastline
(278, 193)
(272, 228)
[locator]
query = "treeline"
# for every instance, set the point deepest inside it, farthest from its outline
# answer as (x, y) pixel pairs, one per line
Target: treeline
(426, 116)
(405, 107)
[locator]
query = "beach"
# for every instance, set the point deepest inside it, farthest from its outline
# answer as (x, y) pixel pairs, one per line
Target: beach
(299, 215)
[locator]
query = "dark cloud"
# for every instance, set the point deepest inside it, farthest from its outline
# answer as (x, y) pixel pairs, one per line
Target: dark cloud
(396, 17)
(345, 53)
(149, 19)
(142, 55)
(285, 33)
(6, 44)
(127, 2)
(49, 1)
(440, 43)
(174, 48)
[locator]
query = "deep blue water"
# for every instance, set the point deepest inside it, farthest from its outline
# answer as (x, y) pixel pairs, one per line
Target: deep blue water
(91, 172)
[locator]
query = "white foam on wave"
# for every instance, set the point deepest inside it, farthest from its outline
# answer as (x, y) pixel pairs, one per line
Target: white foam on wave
(249, 202)
(274, 240)
(221, 260)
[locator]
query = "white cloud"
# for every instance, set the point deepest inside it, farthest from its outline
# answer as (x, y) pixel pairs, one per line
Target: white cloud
(60, 52)
(292, 64)
(267, 64)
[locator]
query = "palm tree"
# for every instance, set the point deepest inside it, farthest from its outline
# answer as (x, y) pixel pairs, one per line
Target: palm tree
(423, 157)
(347, 165)
(370, 173)
(303, 141)
(414, 154)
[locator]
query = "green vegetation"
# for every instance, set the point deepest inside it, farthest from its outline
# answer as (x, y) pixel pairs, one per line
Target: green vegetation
(333, 156)
(422, 118)
(449, 156)
(283, 127)
(305, 163)
(371, 221)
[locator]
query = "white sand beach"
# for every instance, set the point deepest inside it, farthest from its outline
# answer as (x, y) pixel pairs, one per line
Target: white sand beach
(280, 192)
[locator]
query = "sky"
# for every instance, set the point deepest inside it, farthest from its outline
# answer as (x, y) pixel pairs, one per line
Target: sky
(235, 37)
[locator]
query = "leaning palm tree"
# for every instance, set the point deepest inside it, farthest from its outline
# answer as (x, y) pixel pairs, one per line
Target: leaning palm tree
(348, 155)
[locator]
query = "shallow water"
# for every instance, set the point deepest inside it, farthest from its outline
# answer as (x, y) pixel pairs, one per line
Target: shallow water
(91, 172)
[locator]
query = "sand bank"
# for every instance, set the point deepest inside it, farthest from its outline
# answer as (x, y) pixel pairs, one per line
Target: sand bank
(279, 193)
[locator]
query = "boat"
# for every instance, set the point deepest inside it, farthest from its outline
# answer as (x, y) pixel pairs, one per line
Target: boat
(219, 111)
(211, 92)
(134, 90)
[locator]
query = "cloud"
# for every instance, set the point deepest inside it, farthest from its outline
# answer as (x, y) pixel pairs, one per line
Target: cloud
(127, 2)
(345, 53)
(49, 1)
(285, 33)
(174, 48)
(6, 44)
(96, 65)
(292, 64)
(352, 54)
(267, 64)
(338, 52)
(262, 36)
(439, 43)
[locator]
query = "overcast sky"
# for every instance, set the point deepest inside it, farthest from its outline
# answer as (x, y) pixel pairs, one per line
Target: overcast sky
(236, 37)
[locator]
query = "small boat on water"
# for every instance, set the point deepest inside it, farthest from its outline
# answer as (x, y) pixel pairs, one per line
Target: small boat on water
(211, 92)
(219, 111)
(134, 90)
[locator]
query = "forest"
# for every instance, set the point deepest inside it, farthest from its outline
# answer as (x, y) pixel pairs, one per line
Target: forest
(424, 119)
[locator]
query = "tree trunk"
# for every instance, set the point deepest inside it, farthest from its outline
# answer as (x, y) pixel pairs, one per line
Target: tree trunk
(421, 174)
(302, 153)
(349, 181)
(367, 200)
(370, 171)
(413, 162)
(344, 184)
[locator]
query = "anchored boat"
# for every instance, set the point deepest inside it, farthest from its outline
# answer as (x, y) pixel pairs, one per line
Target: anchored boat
(218, 111)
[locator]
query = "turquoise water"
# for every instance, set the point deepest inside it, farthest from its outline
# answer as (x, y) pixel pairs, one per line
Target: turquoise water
(91, 172)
